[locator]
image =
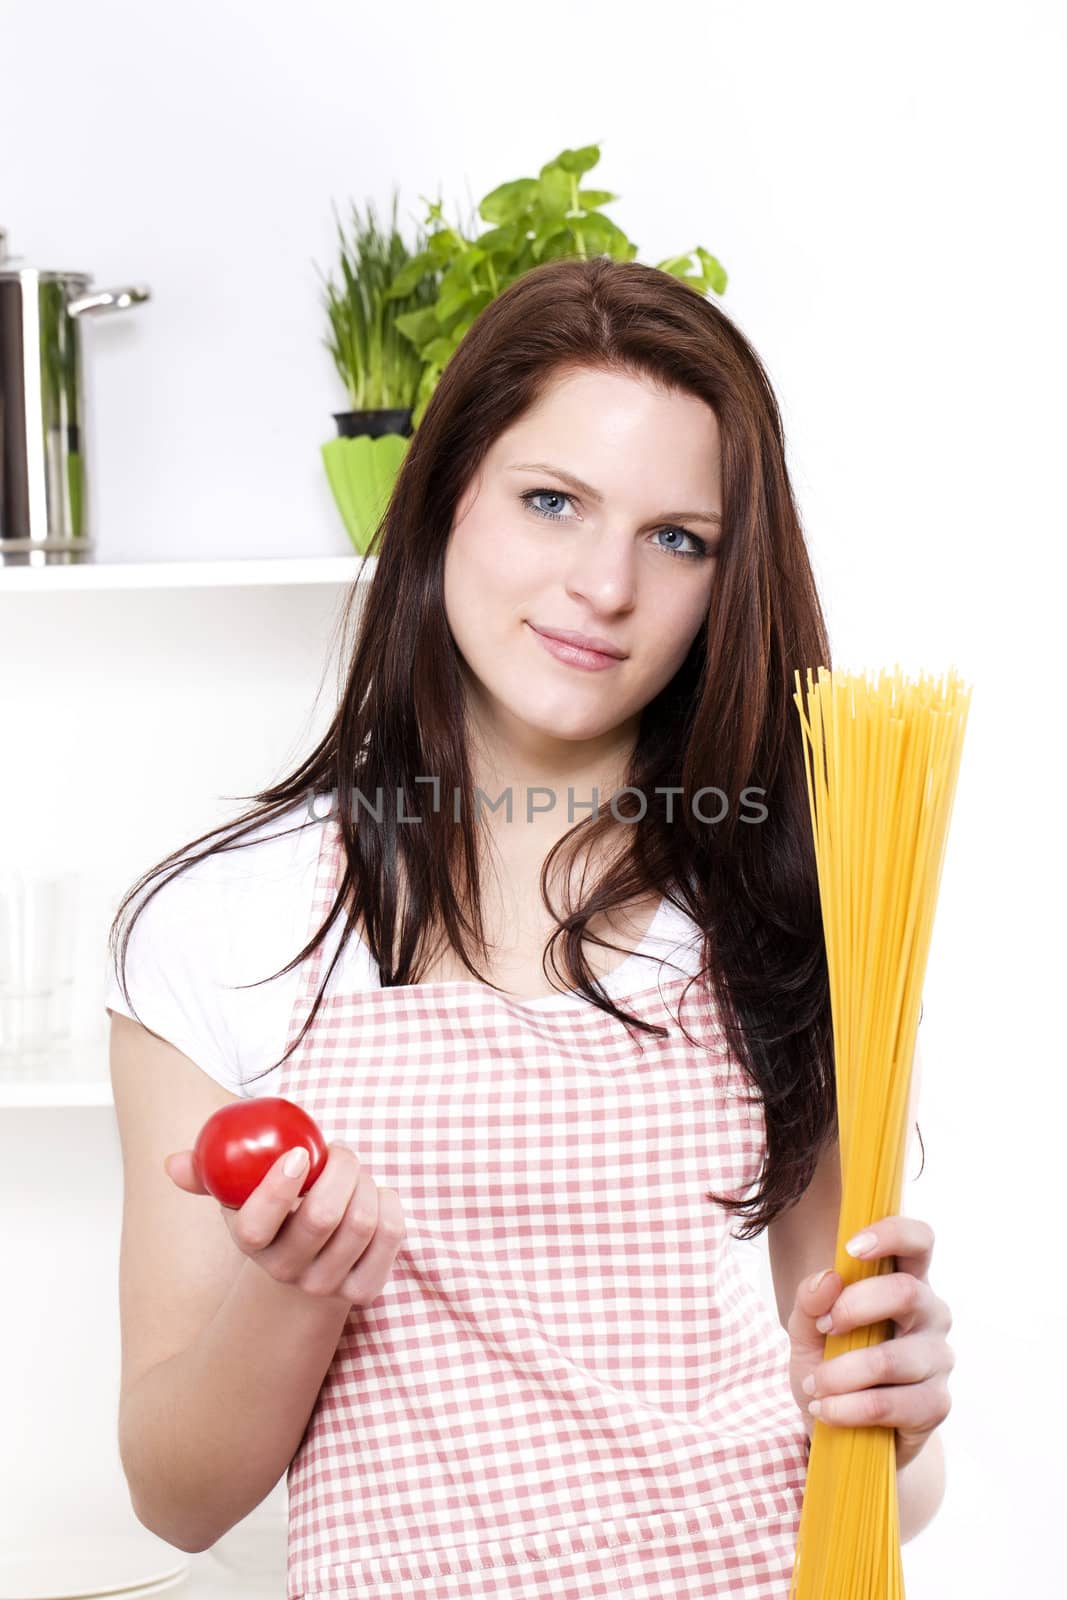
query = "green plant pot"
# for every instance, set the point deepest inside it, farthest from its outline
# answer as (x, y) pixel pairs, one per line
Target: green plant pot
(362, 472)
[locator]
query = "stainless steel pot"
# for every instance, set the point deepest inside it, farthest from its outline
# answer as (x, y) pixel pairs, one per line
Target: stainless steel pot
(44, 500)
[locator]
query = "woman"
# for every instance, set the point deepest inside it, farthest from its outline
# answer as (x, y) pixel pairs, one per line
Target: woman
(504, 1344)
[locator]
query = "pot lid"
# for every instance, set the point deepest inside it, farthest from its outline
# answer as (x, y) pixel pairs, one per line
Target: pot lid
(12, 266)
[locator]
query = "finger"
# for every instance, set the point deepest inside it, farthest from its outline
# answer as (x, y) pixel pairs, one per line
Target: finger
(181, 1169)
(255, 1225)
(367, 1279)
(351, 1236)
(897, 1297)
(917, 1407)
(814, 1297)
(302, 1234)
(907, 1238)
(910, 1359)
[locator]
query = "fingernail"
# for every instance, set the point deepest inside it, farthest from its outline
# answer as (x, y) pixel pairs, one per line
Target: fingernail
(815, 1282)
(861, 1244)
(808, 1385)
(824, 1323)
(294, 1162)
(815, 1406)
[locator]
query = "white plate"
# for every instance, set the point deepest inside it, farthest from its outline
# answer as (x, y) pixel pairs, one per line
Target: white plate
(257, 1551)
(77, 1567)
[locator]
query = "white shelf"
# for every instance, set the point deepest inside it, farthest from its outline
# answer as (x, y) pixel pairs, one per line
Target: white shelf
(25, 1094)
(112, 575)
(75, 1074)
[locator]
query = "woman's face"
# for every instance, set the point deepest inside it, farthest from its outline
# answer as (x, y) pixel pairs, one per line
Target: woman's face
(630, 558)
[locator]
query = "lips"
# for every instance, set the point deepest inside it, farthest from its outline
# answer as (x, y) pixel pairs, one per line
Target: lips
(575, 656)
(582, 641)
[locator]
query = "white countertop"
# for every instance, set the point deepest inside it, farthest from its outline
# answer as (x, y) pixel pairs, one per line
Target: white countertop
(208, 1579)
(252, 1564)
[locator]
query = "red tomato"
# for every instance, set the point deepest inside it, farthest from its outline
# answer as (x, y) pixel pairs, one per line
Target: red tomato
(238, 1145)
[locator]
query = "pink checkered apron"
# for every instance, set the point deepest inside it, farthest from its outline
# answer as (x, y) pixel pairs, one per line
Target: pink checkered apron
(568, 1386)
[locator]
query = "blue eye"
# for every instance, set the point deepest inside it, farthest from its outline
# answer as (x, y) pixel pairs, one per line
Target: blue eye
(697, 554)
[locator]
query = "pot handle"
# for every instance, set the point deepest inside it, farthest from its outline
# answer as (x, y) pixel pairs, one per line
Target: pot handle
(108, 300)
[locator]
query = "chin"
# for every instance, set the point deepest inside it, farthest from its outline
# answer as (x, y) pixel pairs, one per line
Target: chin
(565, 721)
(555, 713)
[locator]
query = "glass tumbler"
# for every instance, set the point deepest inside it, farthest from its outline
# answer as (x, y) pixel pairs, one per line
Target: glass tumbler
(38, 942)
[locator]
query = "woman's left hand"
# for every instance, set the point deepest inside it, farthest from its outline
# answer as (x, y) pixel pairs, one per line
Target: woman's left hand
(900, 1383)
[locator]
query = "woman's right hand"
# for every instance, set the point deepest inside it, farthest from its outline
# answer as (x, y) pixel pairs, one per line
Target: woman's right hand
(336, 1242)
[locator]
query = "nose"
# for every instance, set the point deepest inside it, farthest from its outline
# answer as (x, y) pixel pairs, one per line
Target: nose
(602, 571)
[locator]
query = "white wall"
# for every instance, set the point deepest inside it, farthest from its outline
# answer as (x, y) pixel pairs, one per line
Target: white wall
(137, 712)
(883, 188)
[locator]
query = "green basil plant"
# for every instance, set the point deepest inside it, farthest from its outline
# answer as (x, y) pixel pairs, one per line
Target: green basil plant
(532, 220)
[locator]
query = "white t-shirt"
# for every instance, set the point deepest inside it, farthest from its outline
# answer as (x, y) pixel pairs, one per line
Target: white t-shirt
(240, 915)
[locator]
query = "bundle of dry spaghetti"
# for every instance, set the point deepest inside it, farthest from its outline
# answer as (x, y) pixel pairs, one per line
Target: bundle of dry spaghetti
(882, 761)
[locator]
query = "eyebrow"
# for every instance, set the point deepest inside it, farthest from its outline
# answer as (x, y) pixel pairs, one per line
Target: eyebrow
(594, 494)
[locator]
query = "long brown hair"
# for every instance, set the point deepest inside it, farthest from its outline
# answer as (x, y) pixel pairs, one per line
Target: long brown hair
(726, 720)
